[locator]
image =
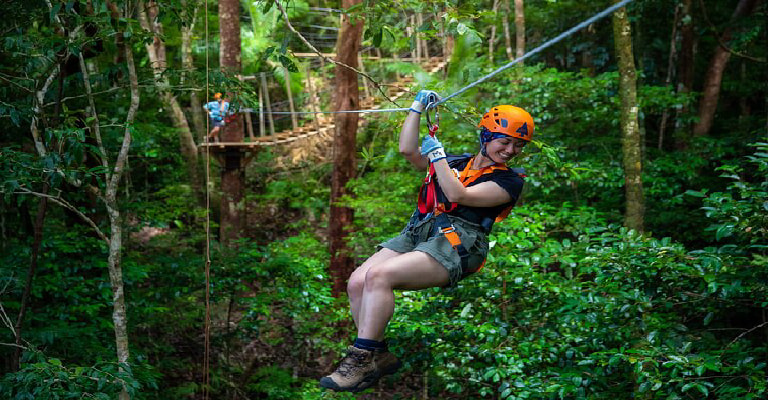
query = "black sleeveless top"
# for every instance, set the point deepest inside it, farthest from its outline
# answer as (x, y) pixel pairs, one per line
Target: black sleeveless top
(509, 180)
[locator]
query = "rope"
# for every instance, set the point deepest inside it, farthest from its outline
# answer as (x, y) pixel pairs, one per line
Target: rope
(207, 323)
(529, 54)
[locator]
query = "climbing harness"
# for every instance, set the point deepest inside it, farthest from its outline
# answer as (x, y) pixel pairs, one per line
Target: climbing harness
(432, 201)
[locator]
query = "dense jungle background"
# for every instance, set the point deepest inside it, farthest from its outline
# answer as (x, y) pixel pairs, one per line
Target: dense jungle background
(634, 267)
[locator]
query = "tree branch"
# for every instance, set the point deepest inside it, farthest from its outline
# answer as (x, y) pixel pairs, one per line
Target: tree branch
(93, 112)
(38, 109)
(68, 206)
(123, 155)
(7, 320)
(720, 38)
(742, 335)
(316, 51)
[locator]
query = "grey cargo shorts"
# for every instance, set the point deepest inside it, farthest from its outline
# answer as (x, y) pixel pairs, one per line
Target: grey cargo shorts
(424, 237)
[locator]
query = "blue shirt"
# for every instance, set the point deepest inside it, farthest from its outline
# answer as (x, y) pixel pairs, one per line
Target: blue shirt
(217, 110)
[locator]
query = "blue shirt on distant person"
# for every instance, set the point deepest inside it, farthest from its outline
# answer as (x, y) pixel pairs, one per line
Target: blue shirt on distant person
(218, 109)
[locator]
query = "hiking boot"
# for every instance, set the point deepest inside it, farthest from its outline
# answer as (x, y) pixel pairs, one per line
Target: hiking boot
(386, 362)
(356, 372)
(360, 369)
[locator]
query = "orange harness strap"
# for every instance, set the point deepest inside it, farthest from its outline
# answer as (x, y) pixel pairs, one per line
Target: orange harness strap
(428, 203)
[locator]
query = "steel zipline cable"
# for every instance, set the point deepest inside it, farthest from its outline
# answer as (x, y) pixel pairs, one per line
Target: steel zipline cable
(207, 322)
(600, 15)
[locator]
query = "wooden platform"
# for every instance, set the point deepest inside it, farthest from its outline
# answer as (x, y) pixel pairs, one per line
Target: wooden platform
(316, 135)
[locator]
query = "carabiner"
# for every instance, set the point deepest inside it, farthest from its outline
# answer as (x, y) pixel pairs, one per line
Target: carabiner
(432, 127)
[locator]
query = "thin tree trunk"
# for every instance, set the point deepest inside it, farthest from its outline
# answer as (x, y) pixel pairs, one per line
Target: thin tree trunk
(682, 133)
(187, 62)
(631, 142)
(744, 105)
(119, 315)
(157, 58)
(37, 239)
(670, 70)
(507, 37)
(519, 28)
(112, 179)
(292, 108)
(713, 81)
(232, 172)
(492, 39)
(346, 97)
(586, 54)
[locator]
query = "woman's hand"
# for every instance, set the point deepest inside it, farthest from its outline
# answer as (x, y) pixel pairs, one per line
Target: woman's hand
(432, 149)
(409, 134)
(423, 99)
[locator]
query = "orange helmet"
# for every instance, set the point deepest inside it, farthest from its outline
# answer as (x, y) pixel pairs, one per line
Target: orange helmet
(506, 120)
(217, 96)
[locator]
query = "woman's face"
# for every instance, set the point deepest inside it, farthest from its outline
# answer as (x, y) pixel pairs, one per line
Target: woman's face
(503, 149)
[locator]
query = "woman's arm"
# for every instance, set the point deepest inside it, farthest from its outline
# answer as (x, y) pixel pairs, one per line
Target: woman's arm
(409, 135)
(409, 141)
(486, 194)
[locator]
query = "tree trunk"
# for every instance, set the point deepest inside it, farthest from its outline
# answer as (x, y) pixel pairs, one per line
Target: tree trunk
(492, 38)
(682, 132)
(346, 97)
(37, 239)
(157, 58)
(119, 315)
(519, 28)
(714, 78)
(670, 69)
(507, 37)
(112, 179)
(187, 62)
(232, 172)
(587, 62)
(631, 143)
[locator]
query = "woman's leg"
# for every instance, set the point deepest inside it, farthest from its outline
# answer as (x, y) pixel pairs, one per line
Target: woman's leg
(357, 280)
(408, 271)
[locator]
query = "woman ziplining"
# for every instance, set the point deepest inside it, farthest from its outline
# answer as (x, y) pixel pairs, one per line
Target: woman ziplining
(441, 244)
(446, 238)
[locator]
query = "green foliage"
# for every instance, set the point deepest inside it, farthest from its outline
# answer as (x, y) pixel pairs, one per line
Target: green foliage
(567, 307)
(50, 378)
(741, 212)
(570, 305)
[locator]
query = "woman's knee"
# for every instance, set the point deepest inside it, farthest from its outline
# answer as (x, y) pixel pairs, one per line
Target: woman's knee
(378, 276)
(356, 284)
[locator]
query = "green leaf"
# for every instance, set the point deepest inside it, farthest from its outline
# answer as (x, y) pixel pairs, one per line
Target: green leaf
(267, 7)
(724, 230)
(466, 310)
(288, 63)
(377, 37)
(695, 193)
(55, 10)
